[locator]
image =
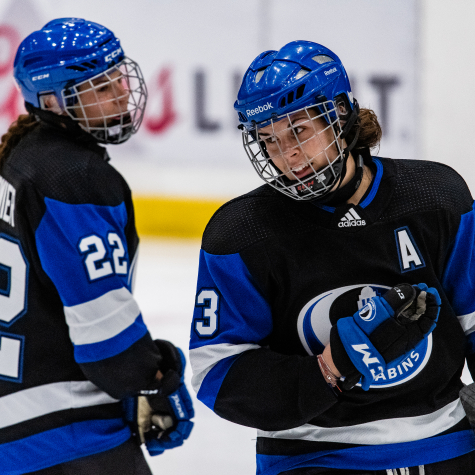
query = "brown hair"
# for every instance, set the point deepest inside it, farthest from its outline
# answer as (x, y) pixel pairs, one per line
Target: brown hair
(369, 128)
(17, 130)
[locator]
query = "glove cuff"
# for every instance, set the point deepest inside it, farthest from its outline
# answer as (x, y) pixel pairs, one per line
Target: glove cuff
(340, 357)
(170, 383)
(171, 357)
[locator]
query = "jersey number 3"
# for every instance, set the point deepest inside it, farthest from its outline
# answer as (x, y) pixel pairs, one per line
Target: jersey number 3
(208, 300)
(13, 285)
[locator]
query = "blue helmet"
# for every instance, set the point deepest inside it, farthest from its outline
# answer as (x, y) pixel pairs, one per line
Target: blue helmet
(301, 76)
(69, 52)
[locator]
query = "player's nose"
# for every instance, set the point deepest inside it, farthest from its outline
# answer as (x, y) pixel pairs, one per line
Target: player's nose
(292, 155)
(121, 92)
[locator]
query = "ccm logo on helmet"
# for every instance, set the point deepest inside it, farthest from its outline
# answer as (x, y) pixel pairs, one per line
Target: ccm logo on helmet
(41, 76)
(112, 55)
(330, 71)
(258, 109)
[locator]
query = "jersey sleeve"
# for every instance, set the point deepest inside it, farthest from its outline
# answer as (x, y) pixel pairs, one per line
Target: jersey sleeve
(459, 279)
(234, 372)
(84, 250)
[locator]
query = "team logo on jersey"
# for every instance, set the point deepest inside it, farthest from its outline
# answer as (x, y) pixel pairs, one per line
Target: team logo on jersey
(322, 312)
(351, 218)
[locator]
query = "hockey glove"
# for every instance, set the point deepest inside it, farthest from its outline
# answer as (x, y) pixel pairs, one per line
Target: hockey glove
(160, 415)
(385, 330)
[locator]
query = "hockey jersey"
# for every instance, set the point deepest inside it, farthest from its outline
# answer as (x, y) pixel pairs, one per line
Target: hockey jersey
(72, 339)
(276, 274)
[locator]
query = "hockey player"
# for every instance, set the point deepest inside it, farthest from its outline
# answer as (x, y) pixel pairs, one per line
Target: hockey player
(301, 327)
(73, 344)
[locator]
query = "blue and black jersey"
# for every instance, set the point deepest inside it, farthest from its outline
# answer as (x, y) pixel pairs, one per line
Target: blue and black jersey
(275, 275)
(72, 339)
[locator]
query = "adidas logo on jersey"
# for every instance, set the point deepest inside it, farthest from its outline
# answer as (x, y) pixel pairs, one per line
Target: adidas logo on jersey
(351, 219)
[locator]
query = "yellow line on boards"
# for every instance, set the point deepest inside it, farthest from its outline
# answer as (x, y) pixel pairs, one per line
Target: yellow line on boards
(173, 217)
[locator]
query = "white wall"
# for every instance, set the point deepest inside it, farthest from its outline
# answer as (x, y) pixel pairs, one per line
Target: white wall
(428, 43)
(448, 83)
(199, 148)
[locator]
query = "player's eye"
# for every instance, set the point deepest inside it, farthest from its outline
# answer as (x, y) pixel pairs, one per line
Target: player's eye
(270, 140)
(103, 87)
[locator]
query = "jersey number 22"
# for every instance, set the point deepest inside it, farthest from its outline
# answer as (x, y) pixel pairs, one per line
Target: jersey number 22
(13, 285)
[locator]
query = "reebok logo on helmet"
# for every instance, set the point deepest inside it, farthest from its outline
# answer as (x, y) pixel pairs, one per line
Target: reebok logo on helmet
(258, 109)
(330, 71)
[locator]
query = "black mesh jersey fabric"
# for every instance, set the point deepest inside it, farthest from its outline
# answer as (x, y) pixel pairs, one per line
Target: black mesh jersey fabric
(251, 218)
(64, 167)
(419, 186)
(423, 186)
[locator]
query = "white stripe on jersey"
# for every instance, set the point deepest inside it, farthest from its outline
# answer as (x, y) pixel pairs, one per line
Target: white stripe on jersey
(132, 271)
(385, 431)
(203, 359)
(467, 322)
(102, 318)
(24, 405)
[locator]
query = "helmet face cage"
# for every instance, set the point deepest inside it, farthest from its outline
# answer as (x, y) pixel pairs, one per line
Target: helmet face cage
(126, 99)
(319, 181)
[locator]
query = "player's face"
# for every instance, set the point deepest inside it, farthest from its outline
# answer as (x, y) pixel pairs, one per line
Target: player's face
(300, 144)
(104, 98)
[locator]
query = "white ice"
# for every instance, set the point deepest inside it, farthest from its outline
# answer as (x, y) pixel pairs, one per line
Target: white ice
(165, 290)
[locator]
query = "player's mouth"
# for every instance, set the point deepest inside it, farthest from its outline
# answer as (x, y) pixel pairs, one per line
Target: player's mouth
(302, 170)
(124, 119)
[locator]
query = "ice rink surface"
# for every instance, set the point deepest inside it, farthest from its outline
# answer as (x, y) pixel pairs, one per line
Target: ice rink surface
(165, 290)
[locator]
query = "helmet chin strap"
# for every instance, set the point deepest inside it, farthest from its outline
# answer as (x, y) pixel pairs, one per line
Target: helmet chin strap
(343, 193)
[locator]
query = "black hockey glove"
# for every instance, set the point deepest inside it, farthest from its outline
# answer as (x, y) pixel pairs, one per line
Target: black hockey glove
(160, 415)
(384, 331)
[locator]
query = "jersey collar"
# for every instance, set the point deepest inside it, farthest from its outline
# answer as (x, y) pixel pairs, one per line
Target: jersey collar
(370, 208)
(372, 192)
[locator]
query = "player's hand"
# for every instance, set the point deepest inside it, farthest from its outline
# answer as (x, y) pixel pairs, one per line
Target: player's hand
(385, 330)
(160, 415)
(170, 403)
(170, 421)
